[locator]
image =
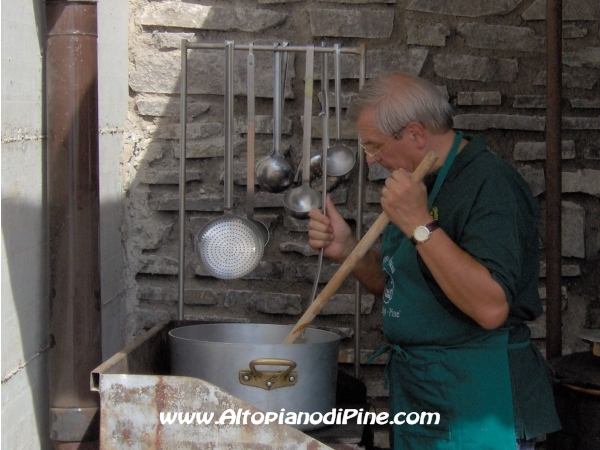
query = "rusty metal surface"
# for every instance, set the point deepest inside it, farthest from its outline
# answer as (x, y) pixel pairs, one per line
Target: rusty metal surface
(148, 354)
(131, 405)
(134, 390)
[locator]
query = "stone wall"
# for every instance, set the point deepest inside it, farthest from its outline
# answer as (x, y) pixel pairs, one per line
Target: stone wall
(488, 57)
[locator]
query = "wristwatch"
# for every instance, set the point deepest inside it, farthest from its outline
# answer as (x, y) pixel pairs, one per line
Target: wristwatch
(423, 232)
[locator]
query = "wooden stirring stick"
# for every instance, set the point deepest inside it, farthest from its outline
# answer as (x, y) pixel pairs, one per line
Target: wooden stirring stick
(359, 251)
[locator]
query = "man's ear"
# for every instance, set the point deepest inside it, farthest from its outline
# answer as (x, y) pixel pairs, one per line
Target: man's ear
(416, 132)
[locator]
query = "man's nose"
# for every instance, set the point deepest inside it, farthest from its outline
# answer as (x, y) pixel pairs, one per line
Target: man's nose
(370, 159)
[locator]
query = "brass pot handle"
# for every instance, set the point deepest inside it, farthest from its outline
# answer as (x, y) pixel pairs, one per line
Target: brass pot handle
(269, 379)
(272, 362)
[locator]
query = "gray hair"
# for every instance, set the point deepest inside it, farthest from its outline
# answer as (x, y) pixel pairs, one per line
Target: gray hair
(400, 98)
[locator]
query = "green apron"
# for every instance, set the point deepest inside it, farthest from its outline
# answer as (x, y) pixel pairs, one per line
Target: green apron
(438, 363)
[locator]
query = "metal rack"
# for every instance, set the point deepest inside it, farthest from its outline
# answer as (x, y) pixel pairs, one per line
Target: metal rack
(185, 46)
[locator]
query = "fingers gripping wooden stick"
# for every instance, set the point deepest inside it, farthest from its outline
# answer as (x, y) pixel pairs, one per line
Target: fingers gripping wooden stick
(359, 251)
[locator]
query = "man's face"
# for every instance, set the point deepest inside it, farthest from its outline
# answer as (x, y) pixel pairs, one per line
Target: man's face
(389, 151)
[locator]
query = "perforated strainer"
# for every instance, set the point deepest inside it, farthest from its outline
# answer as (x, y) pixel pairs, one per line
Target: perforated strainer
(230, 246)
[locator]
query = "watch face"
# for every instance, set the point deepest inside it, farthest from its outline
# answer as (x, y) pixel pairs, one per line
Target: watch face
(421, 234)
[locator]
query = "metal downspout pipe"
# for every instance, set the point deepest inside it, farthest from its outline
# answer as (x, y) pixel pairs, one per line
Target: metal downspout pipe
(74, 209)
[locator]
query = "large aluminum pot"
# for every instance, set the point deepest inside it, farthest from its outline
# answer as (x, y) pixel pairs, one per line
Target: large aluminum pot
(249, 361)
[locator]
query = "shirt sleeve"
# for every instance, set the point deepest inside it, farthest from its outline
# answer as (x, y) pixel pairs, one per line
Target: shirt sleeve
(498, 229)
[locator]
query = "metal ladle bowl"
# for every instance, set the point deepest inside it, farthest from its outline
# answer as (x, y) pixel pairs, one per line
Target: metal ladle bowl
(340, 157)
(274, 173)
(299, 201)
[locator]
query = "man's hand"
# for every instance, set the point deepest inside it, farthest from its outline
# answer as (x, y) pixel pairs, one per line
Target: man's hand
(405, 202)
(330, 232)
(466, 282)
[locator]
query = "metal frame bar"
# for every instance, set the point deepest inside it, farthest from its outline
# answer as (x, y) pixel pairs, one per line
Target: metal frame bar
(359, 219)
(270, 48)
(182, 178)
(185, 46)
(553, 177)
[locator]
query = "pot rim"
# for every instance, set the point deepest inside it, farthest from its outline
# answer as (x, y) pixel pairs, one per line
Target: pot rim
(323, 337)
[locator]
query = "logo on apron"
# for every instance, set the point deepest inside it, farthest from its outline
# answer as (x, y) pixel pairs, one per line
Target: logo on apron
(434, 213)
(389, 269)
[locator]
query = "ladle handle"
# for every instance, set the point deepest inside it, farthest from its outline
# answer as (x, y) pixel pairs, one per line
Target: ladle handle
(284, 63)
(359, 251)
(250, 136)
(325, 122)
(308, 96)
(276, 101)
(338, 91)
(325, 145)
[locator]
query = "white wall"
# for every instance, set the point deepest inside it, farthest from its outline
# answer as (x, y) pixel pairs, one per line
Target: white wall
(24, 304)
(113, 96)
(24, 235)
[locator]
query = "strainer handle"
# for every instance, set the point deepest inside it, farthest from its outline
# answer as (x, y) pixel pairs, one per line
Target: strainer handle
(228, 177)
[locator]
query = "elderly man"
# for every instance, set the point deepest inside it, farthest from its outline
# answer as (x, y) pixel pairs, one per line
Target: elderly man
(458, 274)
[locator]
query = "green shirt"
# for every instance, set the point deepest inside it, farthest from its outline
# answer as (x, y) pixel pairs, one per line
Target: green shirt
(488, 210)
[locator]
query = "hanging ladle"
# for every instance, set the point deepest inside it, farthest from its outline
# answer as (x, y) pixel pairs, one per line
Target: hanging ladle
(284, 64)
(325, 144)
(299, 201)
(274, 173)
(353, 258)
(251, 133)
(340, 157)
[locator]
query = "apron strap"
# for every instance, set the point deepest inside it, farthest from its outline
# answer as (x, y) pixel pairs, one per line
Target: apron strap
(391, 348)
(445, 168)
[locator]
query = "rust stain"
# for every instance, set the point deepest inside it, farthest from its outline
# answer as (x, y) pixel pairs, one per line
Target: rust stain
(126, 436)
(159, 401)
(313, 445)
